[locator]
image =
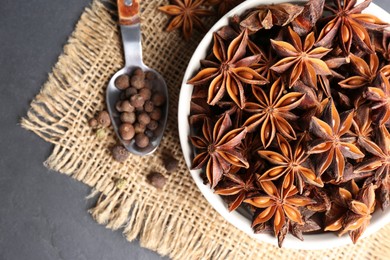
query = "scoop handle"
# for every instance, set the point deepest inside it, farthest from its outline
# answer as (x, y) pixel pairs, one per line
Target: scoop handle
(128, 11)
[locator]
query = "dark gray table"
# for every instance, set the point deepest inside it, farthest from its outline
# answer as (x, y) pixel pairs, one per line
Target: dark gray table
(43, 215)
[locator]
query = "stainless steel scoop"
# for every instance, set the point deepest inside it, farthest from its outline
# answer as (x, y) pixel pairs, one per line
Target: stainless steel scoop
(129, 22)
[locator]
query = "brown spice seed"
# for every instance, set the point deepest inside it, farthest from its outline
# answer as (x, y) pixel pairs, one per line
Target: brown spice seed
(126, 131)
(156, 114)
(145, 93)
(130, 92)
(158, 99)
(104, 119)
(126, 106)
(170, 163)
(153, 124)
(156, 179)
(143, 118)
(122, 82)
(141, 140)
(148, 106)
(128, 117)
(119, 153)
(139, 72)
(137, 82)
(93, 122)
(137, 101)
(139, 128)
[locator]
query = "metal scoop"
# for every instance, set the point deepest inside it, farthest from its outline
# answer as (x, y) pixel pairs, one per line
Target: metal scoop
(129, 22)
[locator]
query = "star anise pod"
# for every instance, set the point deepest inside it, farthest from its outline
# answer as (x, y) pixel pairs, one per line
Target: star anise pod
(380, 163)
(384, 192)
(350, 25)
(224, 6)
(280, 204)
(263, 67)
(382, 44)
(307, 19)
(300, 59)
(381, 99)
(310, 224)
(187, 15)
(358, 218)
(333, 145)
(266, 16)
(341, 199)
(230, 72)
(271, 112)
(290, 164)
(237, 186)
(366, 73)
(219, 148)
(199, 110)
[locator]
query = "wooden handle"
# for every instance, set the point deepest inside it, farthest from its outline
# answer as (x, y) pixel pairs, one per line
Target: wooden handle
(128, 14)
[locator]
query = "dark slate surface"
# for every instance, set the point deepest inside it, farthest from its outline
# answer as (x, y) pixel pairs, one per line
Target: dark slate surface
(43, 215)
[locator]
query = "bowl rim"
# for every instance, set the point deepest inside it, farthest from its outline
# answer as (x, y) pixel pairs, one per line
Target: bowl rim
(325, 240)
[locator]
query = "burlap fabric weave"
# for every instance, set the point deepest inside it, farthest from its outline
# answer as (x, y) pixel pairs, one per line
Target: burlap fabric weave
(176, 221)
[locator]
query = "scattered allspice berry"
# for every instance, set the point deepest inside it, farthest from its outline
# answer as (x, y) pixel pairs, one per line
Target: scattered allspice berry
(139, 72)
(103, 119)
(156, 179)
(170, 163)
(119, 153)
(148, 106)
(93, 122)
(153, 124)
(122, 82)
(145, 93)
(141, 140)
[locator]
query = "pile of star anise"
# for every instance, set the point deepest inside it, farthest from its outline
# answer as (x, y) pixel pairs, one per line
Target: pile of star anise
(291, 113)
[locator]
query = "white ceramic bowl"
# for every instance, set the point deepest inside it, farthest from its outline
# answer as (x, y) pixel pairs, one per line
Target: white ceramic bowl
(312, 241)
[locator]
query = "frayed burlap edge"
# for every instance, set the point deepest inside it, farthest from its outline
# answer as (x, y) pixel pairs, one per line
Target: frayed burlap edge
(176, 221)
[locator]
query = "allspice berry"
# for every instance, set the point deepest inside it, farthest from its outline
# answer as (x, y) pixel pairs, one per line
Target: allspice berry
(156, 114)
(137, 101)
(148, 106)
(139, 129)
(103, 119)
(128, 117)
(137, 82)
(139, 72)
(93, 122)
(156, 179)
(130, 92)
(122, 82)
(158, 99)
(119, 153)
(126, 131)
(170, 163)
(141, 140)
(126, 106)
(153, 124)
(143, 118)
(145, 93)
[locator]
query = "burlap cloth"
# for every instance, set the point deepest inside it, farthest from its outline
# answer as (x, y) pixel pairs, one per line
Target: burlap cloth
(176, 221)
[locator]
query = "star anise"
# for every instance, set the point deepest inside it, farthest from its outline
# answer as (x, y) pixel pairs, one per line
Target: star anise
(358, 218)
(366, 73)
(341, 199)
(279, 204)
(272, 111)
(219, 148)
(381, 99)
(187, 14)
(238, 187)
(300, 59)
(230, 71)
(380, 163)
(350, 25)
(224, 6)
(333, 144)
(290, 164)
(266, 16)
